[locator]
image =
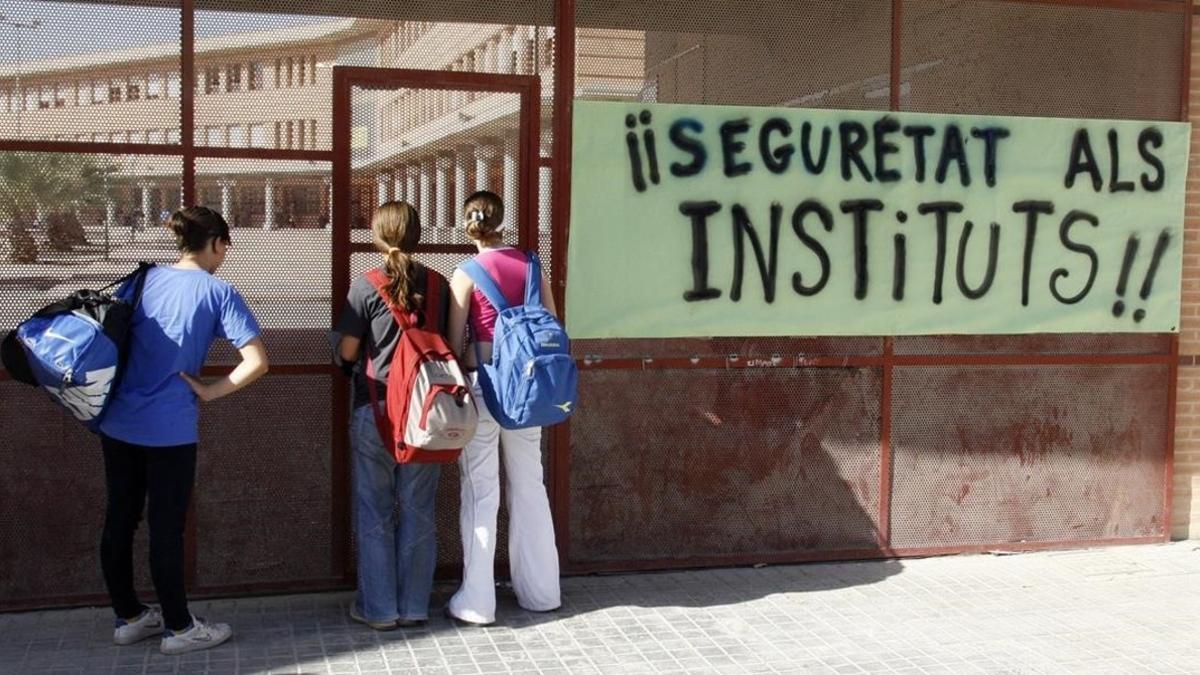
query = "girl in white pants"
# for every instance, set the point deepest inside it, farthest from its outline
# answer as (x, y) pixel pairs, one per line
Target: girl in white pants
(533, 558)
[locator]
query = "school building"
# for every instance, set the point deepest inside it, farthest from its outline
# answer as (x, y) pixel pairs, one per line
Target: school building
(296, 119)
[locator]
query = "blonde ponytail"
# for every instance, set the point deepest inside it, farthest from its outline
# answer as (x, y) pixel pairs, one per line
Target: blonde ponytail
(397, 229)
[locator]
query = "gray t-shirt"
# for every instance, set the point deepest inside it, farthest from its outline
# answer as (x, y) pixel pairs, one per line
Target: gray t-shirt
(366, 316)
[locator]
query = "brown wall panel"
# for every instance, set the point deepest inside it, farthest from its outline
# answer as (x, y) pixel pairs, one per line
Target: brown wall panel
(1015, 455)
(731, 462)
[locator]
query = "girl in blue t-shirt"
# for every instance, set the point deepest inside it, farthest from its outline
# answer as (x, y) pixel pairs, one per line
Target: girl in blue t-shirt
(150, 429)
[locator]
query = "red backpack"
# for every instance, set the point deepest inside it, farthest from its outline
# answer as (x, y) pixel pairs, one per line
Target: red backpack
(429, 414)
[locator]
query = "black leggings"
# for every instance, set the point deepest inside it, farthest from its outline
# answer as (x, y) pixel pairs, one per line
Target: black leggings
(166, 475)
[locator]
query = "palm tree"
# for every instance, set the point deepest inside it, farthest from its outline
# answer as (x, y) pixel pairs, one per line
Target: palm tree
(48, 188)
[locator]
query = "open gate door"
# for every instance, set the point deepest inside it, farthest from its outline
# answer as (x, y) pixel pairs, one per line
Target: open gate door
(430, 138)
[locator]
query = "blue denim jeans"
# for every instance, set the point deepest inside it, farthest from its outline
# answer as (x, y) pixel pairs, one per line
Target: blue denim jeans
(394, 527)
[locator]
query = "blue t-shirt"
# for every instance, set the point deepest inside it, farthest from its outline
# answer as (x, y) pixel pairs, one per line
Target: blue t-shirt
(181, 313)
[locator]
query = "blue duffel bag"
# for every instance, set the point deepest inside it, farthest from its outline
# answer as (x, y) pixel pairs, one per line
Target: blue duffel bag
(75, 348)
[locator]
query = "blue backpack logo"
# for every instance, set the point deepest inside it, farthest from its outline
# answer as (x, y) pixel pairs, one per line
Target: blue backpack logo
(531, 380)
(74, 348)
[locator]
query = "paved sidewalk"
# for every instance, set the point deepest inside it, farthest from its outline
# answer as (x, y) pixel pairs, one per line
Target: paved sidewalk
(1115, 610)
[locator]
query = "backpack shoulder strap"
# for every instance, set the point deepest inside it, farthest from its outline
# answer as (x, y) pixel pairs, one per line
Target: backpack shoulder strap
(433, 300)
(140, 274)
(533, 280)
(379, 279)
(484, 282)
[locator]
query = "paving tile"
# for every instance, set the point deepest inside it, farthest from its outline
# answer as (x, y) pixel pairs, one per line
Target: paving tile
(1119, 610)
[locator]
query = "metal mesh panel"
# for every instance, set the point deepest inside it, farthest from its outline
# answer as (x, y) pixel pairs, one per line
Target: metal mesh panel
(52, 509)
(434, 149)
(264, 80)
(1055, 454)
(730, 462)
(71, 221)
(262, 499)
(830, 54)
(75, 72)
(1024, 58)
(280, 258)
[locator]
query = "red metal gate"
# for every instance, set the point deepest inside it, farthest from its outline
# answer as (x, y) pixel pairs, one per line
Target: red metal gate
(769, 450)
(418, 158)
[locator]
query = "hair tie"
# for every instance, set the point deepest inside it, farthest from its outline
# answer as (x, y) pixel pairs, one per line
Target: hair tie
(477, 215)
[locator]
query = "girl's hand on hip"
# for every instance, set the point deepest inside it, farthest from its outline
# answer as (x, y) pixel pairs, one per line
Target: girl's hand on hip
(202, 390)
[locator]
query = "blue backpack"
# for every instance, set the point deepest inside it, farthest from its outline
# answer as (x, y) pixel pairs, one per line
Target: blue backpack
(75, 348)
(531, 380)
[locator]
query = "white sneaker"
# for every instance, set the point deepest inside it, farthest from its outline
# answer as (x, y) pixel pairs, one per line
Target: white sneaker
(148, 623)
(201, 635)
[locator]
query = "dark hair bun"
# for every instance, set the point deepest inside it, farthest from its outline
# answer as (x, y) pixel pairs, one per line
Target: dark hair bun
(196, 226)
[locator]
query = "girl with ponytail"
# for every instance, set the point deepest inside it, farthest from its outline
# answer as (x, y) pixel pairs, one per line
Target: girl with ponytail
(397, 554)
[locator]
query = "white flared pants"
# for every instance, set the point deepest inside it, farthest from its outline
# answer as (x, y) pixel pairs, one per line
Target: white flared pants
(532, 556)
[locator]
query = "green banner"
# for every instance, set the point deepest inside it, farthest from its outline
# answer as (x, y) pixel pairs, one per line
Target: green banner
(690, 220)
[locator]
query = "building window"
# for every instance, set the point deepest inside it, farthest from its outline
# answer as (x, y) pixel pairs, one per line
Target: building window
(31, 99)
(156, 136)
(290, 135)
(302, 67)
(133, 91)
(172, 85)
(154, 86)
(237, 136)
(216, 136)
(256, 76)
(137, 137)
(114, 92)
(212, 80)
(290, 67)
(173, 136)
(278, 133)
(278, 73)
(44, 95)
(312, 133)
(258, 136)
(233, 77)
(99, 92)
(60, 95)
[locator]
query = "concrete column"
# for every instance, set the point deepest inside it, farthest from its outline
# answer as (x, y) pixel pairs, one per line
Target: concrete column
(523, 37)
(410, 190)
(507, 47)
(398, 184)
(382, 184)
(227, 199)
(425, 207)
(512, 206)
(492, 55)
(269, 204)
(484, 156)
(329, 193)
(147, 204)
(457, 98)
(443, 212)
(545, 180)
(462, 159)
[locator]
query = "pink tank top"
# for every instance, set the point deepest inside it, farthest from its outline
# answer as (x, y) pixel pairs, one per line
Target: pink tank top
(507, 266)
